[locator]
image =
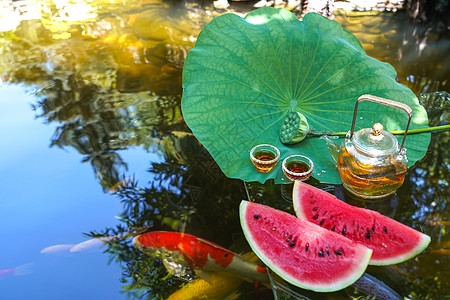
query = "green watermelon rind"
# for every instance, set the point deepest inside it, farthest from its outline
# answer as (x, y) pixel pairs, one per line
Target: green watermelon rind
(422, 245)
(423, 239)
(338, 285)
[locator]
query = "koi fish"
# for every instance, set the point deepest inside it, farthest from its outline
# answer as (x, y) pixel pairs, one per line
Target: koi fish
(100, 241)
(56, 249)
(375, 288)
(198, 253)
(17, 271)
(441, 251)
(122, 184)
(437, 222)
(91, 243)
(221, 285)
(82, 246)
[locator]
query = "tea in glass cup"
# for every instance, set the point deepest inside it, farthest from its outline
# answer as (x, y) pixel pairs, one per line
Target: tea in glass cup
(264, 157)
(297, 167)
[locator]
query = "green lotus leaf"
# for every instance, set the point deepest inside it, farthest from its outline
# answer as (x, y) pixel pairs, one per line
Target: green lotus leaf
(244, 75)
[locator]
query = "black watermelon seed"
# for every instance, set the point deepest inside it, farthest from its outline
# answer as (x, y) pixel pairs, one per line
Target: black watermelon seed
(256, 217)
(373, 229)
(385, 229)
(368, 235)
(338, 252)
(225, 255)
(320, 253)
(328, 252)
(288, 240)
(307, 246)
(332, 229)
(316, 216)
(321, 222)
(344, 231)
(315, 208)
(292, 244)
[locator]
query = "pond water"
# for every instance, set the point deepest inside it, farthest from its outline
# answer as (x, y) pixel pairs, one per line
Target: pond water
(94, 145)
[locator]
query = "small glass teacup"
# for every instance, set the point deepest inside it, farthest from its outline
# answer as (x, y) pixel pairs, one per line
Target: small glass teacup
(297, 167)
(264, 157)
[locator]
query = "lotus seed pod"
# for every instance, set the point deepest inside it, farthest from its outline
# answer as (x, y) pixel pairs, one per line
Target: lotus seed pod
(294, 129)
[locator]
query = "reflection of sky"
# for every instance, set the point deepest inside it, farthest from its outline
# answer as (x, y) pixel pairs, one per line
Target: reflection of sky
(48, 197)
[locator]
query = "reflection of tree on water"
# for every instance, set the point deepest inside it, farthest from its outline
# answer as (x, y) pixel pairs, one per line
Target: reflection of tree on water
(422, 55)
(107, 84)
(415, 41)
(189, 194)
(97, 129)
(89, 124)
(424, 199)
(425, 42)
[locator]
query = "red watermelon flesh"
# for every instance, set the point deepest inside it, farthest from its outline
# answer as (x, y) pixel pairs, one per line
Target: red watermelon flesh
(391, 241)
(301, 252)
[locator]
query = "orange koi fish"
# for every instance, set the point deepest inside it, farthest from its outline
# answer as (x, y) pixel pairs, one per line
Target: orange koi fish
(441, 251)
(122, 184)
(198, 253)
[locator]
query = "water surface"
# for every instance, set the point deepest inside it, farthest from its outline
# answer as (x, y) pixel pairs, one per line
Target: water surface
(94, 144)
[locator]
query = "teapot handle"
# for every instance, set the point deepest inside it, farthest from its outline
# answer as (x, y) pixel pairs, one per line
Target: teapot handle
(380, 100)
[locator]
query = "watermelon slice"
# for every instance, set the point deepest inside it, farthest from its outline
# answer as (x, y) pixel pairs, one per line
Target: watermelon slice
(391, 241)
(301, 252)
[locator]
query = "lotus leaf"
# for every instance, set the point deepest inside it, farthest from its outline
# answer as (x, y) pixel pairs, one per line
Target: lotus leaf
(244, 75)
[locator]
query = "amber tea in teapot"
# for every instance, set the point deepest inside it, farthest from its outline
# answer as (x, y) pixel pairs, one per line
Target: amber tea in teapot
(370, 161)
(370, 181)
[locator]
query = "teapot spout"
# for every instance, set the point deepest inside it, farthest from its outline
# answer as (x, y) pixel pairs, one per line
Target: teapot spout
(332, 147)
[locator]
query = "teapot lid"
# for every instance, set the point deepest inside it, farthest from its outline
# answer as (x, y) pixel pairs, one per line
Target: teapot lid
(375, 141)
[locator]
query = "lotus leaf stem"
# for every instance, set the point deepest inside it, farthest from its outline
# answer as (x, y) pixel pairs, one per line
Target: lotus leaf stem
(412, 131)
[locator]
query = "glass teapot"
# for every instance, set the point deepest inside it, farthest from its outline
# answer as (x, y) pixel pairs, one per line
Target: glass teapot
(370, 162)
